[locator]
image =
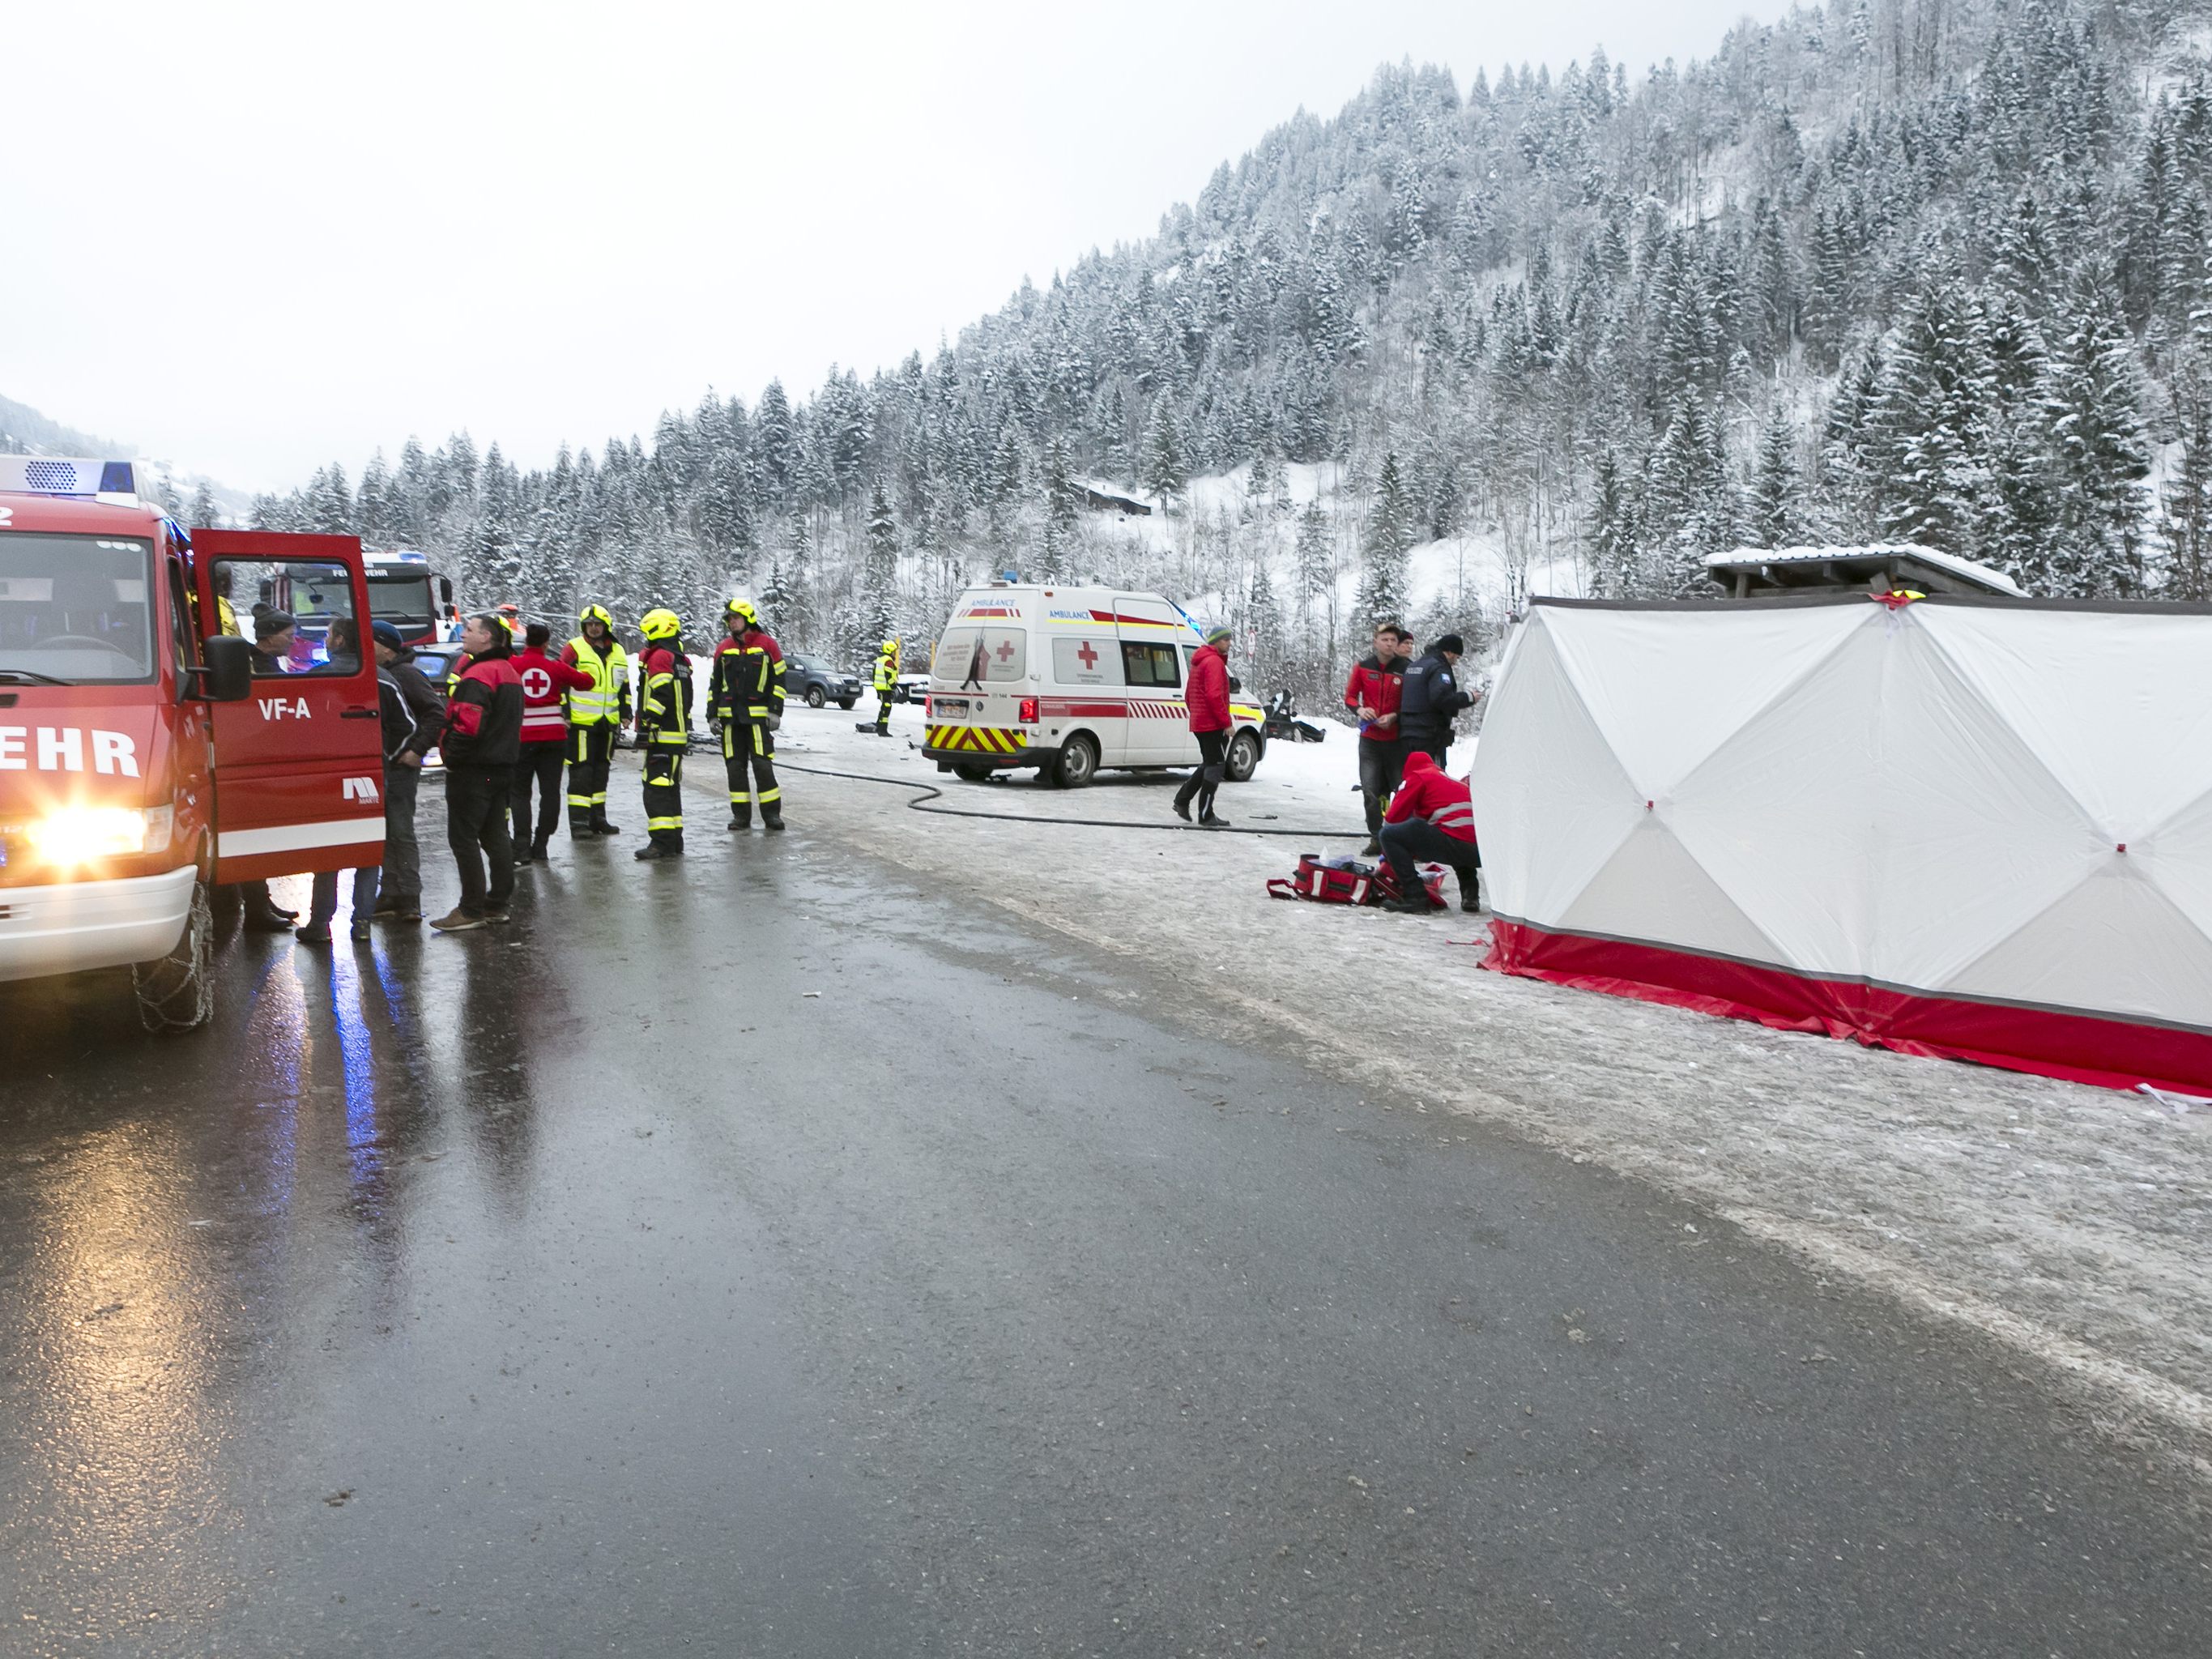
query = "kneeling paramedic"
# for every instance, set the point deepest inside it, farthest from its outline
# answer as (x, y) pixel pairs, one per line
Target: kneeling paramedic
(663, 730)
(597, 713)
(1432, 817)
(746, 695)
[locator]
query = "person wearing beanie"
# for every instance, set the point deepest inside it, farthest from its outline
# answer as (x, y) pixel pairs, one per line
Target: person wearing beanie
(412, 712)
(275, 633)
(1207, 697)
(1432, 699)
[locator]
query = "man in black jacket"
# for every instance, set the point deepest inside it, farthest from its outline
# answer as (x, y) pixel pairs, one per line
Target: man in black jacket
(413, 711)
(1432, 699)
(482, 739)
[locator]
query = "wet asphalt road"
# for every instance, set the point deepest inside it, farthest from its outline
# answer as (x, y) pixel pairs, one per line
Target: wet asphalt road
(589, 1287)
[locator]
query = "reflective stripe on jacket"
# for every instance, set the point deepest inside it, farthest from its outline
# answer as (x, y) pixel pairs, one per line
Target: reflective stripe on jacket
(610, 681)
(666, 716)
(1428, 792)
(748, 681)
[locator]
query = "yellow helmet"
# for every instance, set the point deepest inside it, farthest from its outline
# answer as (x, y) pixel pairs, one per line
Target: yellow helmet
(889, 646)
(660, 624)
(741, 608)
(599, 610)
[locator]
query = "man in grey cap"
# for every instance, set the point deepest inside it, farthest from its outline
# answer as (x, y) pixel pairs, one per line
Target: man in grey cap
(413, 712)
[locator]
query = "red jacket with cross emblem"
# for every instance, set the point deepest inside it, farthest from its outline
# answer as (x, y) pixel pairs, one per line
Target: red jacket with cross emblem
(544, 676)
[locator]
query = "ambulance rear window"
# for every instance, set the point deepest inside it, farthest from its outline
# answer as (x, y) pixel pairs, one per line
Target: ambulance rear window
(981, 656)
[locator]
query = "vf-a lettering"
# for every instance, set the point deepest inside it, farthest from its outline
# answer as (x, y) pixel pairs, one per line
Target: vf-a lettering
(283, 709)
(66, 748)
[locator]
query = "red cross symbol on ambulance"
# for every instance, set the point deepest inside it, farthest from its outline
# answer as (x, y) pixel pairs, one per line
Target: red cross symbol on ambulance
(1090, 657)
(1005, 651)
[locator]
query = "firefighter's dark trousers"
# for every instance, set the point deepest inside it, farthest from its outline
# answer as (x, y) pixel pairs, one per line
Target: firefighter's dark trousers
(882, 713)
(664, 794)
(540, 765)
(749, 755)
(590, 748)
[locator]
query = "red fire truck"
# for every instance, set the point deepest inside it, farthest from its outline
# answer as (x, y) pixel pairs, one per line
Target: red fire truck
(405, 592)
(150, 757)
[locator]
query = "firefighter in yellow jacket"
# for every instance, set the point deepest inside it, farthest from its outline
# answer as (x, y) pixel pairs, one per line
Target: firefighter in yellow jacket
(596, 714)
(887, 671)
(747, 701)
(663, 730)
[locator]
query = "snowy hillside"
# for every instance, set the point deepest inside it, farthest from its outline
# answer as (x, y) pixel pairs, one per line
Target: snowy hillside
(1926, 270)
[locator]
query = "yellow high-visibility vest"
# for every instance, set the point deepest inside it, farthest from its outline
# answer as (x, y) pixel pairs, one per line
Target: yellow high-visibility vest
(602, 699)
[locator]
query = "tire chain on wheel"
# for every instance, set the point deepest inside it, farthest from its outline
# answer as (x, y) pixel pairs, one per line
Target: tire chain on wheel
(163, 985)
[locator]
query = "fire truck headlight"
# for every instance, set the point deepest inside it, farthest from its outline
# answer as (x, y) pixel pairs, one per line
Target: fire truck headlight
(77, 835)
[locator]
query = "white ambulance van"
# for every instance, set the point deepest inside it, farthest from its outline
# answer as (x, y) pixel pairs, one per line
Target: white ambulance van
(1068, 680)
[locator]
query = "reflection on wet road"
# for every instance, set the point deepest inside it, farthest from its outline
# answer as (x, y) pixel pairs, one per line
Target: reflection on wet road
(756, 1255)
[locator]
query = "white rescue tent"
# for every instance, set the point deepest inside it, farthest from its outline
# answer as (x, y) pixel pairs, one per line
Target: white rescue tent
(1980, 829)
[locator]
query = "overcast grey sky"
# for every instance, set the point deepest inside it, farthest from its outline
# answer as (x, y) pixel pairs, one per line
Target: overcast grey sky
(257, 238)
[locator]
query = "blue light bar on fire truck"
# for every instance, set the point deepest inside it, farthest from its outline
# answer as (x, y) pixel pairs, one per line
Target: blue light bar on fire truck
(50, 475)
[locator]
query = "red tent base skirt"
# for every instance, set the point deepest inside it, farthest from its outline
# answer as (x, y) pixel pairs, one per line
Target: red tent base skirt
(2114, 1054)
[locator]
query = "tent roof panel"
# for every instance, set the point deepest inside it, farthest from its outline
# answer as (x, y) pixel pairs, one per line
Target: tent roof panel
(1667, 689)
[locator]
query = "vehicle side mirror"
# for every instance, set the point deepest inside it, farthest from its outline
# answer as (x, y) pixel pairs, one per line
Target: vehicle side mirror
(1235, 684)
(446, 592)
(228, 676)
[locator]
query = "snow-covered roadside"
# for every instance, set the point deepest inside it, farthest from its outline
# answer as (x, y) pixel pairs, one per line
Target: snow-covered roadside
(2065, 1222)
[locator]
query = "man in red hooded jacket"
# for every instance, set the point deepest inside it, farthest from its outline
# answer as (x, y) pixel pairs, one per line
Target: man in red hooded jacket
(1432, 817)
(1207, 697)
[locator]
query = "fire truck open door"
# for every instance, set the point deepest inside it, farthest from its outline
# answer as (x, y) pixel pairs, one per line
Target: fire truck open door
(299, 765)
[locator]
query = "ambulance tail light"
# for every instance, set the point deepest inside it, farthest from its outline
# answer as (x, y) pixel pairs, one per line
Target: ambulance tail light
(1028, 711)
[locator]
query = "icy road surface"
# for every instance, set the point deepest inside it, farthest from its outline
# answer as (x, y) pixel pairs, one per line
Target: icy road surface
(2068, 1222)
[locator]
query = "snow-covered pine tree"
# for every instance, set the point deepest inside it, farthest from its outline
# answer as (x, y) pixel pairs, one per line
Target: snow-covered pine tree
(204, 515)
(879, 592)
(1384, 579)
(1056, 548)
(1775, 514)
(1167, 472)
(2099, 459)
(1933, 415)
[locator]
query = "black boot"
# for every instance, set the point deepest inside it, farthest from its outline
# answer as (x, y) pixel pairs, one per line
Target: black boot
(662, 846)
(523, 852)
(772, 818)
(580, 826)
(599, 824)
(740, 819)
(1470, 892)
(539, 847)
(261, 914)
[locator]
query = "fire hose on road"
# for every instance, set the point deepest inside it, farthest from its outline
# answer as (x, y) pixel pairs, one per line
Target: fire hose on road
(927, 793)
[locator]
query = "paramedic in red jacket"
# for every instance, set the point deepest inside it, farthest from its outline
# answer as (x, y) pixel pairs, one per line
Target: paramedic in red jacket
(1373, 692)
(481, 740)
(545, 681)
(1206, 696)
(1431, 820)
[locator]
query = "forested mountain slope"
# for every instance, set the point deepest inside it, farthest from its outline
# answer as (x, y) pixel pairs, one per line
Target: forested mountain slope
(1925, 269)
